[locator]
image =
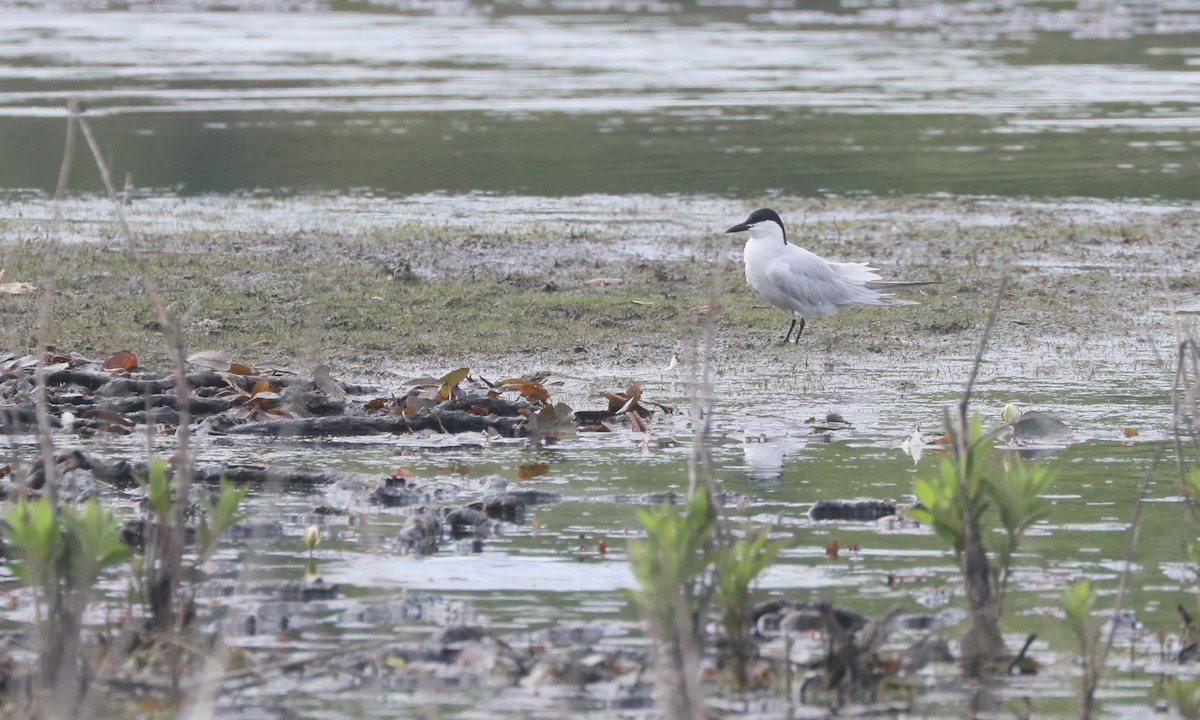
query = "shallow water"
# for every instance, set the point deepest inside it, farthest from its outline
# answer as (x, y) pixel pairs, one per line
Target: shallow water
(1014, 99)
(535, 575)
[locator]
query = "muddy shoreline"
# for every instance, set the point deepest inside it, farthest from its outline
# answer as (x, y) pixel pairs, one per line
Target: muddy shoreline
(374, 288)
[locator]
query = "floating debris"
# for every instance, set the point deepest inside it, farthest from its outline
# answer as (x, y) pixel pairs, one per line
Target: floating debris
(860, 510)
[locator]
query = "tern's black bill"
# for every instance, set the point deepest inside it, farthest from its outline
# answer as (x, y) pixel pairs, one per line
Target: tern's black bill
(740, 227)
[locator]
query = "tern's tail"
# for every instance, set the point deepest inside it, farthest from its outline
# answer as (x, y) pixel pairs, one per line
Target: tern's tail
(898, 284)
(889, 300)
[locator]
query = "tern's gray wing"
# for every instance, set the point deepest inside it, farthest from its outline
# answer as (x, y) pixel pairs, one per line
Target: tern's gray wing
(815, 287)
(804, 282)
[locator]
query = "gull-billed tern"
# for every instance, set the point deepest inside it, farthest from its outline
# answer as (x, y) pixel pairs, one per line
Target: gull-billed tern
(802, 283)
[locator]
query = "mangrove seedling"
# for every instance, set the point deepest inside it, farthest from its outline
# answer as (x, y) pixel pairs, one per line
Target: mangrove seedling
(162, 566)
(670, 565)
(959, 504)
(219, 517)
(738, 563)
(1184, 695)
(1078, 602)
(162, 562)
(61, 554)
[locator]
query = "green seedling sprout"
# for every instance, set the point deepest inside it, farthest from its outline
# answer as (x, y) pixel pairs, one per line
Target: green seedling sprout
(967, 497)
(738, 565)
(61, 553)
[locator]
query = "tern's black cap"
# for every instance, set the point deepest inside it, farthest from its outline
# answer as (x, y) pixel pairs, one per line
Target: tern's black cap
(758, 216)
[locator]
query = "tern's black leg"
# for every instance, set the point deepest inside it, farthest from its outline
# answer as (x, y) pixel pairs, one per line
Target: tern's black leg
(789, 332)
(798, 332)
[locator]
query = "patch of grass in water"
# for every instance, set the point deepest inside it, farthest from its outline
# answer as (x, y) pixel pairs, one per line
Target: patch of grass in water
(518, 297)
(270, 307)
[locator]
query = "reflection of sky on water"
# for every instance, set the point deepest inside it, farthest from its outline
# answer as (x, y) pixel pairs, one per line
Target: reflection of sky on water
(764, 459)
(275, 103)
(160, 62)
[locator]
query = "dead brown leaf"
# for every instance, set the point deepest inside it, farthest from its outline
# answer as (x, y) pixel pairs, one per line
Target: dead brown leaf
(534, 392)
(450, 381)
(531, 390)
(121, 360)
(622, 402)
(260, 387)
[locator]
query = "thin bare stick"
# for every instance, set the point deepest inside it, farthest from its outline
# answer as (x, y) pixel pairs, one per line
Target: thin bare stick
(64, 172)
(1182, 399)
(1093, 665)
(1171, 311)
(59, 679)
(702, 398)
(961, 436)
(983, 638)
(45, 443)
(174, 338)
(702, 455)
(1184, 394)
(983, 341)
(1135, 528)
(173, 548)
(1179, 388)
(104, 173)
(959, 430)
